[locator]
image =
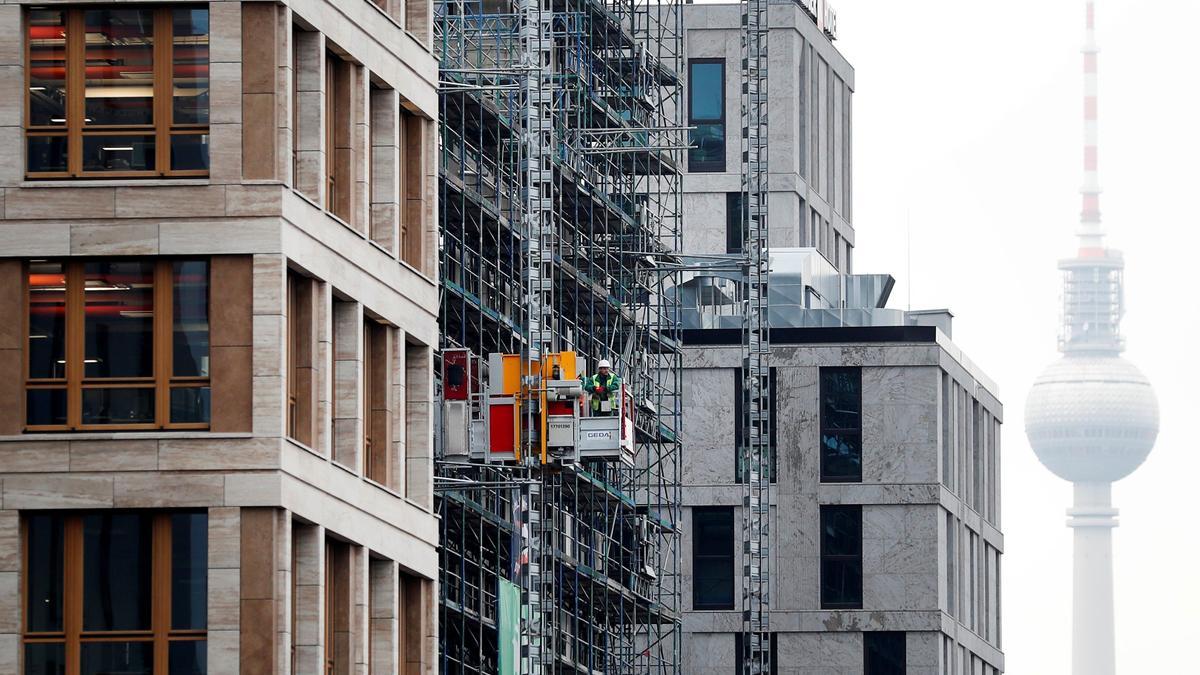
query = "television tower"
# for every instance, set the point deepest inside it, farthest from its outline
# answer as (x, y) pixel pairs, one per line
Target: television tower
(1092, 416)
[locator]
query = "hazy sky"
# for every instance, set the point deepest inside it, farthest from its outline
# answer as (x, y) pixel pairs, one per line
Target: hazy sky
(968, 114)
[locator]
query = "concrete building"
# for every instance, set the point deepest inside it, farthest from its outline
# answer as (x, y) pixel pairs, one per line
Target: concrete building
(218, 310)
(811, 88)
(885, 543)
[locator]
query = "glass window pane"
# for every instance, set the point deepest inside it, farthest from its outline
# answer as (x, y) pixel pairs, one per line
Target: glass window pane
(841, 531)
(708, 146)
(190, 300)
(47, 67)
(44, 586)
(116, 573)
(841, 405)
(841, 456)
(47, 320)
(46, 154)
(124, 405)
(189, 572)
(189, 152)
(45, 406)
(188, 658)
(712, 558)
(118, 153)
(119, 320)
(886, 653)
(841, 582)
(190, 65)
(707, 91)
(119, 82)
(45, 659)
(116, 658)
(191, 405)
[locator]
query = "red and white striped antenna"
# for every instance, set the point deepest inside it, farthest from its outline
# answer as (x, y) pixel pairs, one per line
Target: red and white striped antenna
(1091, 233)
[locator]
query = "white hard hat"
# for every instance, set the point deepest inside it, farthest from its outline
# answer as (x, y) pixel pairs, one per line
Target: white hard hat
(604, 364)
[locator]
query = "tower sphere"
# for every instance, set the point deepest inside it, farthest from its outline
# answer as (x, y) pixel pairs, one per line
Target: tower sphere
(1091, 418)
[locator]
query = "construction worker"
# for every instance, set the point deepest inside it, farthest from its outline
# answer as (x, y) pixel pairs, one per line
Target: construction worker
(604, 387)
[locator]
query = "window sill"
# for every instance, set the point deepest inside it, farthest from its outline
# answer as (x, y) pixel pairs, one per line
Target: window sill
(122, 435)
(112, 182)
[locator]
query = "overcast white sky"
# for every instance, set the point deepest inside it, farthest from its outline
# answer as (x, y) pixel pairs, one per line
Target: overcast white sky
(968, 115)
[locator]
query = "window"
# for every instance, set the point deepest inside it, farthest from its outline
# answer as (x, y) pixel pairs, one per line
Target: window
(117, 92)
(337, 605)
(376, 411)
(735, 218)
(884, 653)
(740, 425)
(118, 344)
(841, 557)
(301, 371)
(706, 112)
(712, 558)
(841, 425)
(739, 650)
(116, 592)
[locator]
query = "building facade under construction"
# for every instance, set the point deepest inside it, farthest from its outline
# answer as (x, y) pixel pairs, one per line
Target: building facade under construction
(559, 173)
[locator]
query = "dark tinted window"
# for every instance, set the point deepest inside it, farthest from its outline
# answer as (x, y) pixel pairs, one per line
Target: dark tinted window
(712, 558)
(883, 653)
(189, 571)
(44, 606)
(116, 572)
(841, 424)
(706, 112)
(735, 216)
(841, 557)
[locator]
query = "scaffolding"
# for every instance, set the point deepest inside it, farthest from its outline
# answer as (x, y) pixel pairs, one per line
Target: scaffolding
(559, 189)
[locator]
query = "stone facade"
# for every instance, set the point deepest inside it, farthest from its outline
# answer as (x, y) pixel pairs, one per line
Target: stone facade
(285, 518)
(930, 437)
(810, 99)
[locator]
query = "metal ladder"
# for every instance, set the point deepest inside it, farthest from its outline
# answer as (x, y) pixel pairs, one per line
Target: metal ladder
(756, 346)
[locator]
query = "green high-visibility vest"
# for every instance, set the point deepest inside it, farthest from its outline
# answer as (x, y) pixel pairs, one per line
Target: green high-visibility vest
(611, 386)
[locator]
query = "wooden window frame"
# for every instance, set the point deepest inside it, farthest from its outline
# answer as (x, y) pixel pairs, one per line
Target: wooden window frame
(331, 176)
(301, 415)
(163, 126)
(73, 636)
(74, 381)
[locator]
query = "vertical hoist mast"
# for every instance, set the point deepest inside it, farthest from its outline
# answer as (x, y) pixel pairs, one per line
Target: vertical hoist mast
(537, 142)
(756, 346)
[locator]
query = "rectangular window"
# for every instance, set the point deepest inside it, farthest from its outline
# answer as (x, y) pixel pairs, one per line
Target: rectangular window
(712, 558)
(117, 92)
(884, 653)
(376, 411)
(337, 606)
(735, 217)
(119, 344)
(706, 112)
(116, 592)
(301, 361)
(740, 426)
(841, 557)
(841, 425)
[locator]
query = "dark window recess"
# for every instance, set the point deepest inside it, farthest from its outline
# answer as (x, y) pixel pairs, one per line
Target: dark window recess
(841, 425)
(712, 558)
(739, 651)
(841, 557)
(706, 113)
(735, 217)
(883, 653)
(739, 393)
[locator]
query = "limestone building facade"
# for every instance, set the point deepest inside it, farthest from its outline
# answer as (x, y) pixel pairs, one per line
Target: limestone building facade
(218, 311)
(885, 537)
